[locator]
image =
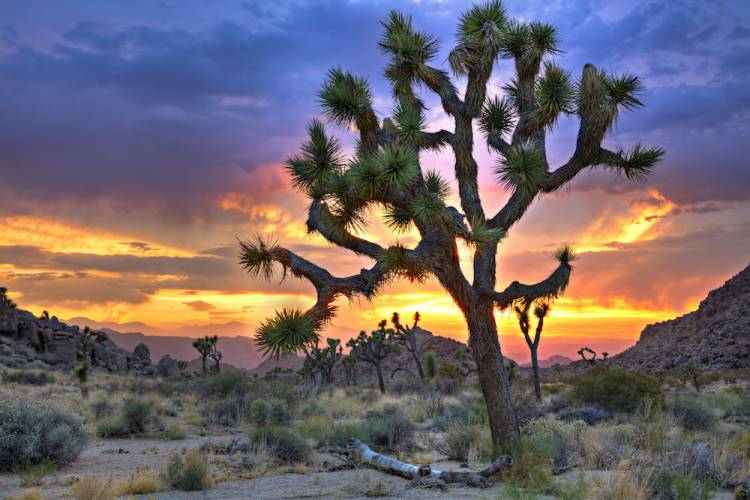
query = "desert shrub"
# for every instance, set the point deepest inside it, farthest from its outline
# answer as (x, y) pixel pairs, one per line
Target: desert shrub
(693, 414)
(316, 427)
(406, 385)
(225, 383)
(285, 444)
(448, 386)
(592, 415)
(652, 427)
(27, 377)
(699, 461)
(532, 461)
(102, 408)
(280, 412)
(175, 433)
(430, 364)
(111, 426)
(675, 485)
(633, 485)
(92, 488)
(432, 404)
(139, 483)
(225, 411)
(34, 474)
(459, 440)
(739, 445)
(341, 434)
(447, 370)
(526, 407)
(452, 415)
(616, 390)
(32, 431)
(189, 474)
(390, 429)
(136, 414)
(312, 408)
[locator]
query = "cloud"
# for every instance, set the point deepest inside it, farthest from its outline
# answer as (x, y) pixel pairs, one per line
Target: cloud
(199, 305)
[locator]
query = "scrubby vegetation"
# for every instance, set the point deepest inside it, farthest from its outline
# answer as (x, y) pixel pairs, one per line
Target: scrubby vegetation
(33, 431)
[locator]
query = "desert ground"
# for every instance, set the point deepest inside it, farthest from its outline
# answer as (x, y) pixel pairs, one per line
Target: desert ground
(598, 433)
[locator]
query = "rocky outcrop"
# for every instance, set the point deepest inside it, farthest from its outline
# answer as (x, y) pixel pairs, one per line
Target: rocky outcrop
(715, 337)
(167, 367)
(30, 342)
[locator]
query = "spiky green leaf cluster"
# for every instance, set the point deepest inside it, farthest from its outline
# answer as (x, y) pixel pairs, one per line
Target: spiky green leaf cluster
(257, 257)
(482, 234)
(410, 124)
(554, 94)
(600, 95)
(345, 97)
(480, 33)
(410, 51)
(366, 177)
(523, 169)
(398, 165)
(436, 185)
(395, 260)
(497, 116)
(290, 331)
(529, 43)
(639, 163)
(320, 157)
(564, 254)
(397, 218)
(427, 208)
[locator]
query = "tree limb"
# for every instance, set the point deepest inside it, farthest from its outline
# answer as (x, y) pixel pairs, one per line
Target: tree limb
(548, 288)
(315, 222)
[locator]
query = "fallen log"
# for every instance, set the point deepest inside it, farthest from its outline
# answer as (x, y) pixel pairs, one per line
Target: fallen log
(424, 474)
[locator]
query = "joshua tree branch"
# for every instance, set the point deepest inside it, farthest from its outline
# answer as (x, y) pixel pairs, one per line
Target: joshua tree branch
(548, 288)
(439, 82)
(316, 222)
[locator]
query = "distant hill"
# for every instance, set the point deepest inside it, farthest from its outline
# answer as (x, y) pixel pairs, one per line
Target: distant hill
(715, 337)
(553, 360)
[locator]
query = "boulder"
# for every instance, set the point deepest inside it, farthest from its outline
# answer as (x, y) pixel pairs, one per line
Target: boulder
(143, 353)
(168, 367)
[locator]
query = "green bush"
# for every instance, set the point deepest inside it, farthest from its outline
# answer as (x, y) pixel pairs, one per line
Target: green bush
(392, 429)
(459, 440)
(111, 426)
(27, 377)
(617, 390)
(136, 414)
(34, 431)
(285, 444)
(189, 474)
(225, 383)
(175, 433)
(274, 412)
(694, 415)
(341, 434)
(312, 408)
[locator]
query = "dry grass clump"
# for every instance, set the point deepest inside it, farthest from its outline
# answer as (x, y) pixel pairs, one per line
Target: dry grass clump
(631, 485)
(193, 473)
(92, 488)
(139, 483)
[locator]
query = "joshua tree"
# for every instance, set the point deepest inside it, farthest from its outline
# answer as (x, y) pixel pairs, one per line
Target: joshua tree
(216, 355)
(350, 370)
(324, 359)
(81, 371)
(582, 352)
(691, 372)
(205, 345)
(431, 364)
(373, 349)
(5, 303)
(385, 172)
(522, 313)
(407, 337)
(511, 369)
(605, 356)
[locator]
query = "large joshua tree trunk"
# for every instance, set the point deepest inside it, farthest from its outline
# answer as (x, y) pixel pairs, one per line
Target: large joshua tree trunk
(493, 379)
(385, 171)
(535, 373)
(379, 372)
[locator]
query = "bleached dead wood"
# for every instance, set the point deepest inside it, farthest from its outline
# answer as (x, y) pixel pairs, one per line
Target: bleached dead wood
(424, 475)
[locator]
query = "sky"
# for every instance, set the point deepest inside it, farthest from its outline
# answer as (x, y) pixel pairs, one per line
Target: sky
(139, 140)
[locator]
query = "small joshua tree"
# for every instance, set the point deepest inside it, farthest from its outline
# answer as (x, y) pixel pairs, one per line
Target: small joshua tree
(204, 346)
(512, 368)
(385, 172)
(81, 371)
(373, 349)
(588, 355)
(5, 303)
(691, 372)
(350, 370)
(324, 359)
(216, 357)
(522, 313)
(605, 356)
(407, 337)
(430, 364)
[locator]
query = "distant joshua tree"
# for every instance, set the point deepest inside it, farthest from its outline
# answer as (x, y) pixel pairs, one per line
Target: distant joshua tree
(522, 313)
(373, 349)
(385, 172)
(588, 355)
(407, 336)
(216, 356)
(205, 345)
(324, 359)
(691, 372)
(5, 303)
(350, 370)
(81, 370)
